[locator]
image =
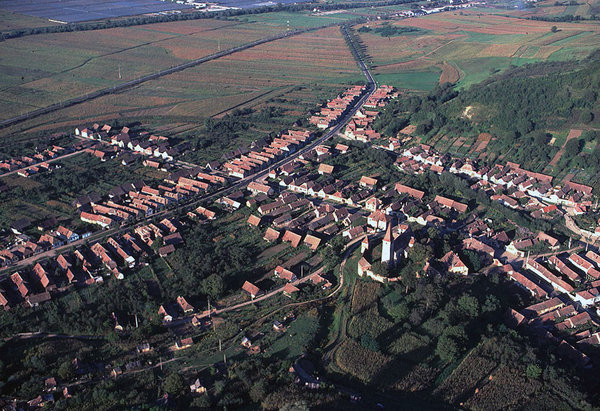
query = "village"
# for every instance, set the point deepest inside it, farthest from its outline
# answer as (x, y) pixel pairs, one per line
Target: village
(312, 200)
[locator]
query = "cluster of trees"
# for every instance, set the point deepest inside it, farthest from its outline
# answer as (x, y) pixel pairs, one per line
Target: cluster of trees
(387, 30)
(518, 106)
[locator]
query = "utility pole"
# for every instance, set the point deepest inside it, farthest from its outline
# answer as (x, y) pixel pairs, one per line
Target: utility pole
(119, 71)
(136, 321)
(220, 345)
(160, 363)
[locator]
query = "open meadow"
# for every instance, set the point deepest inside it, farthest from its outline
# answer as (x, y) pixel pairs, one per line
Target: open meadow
(468, 46)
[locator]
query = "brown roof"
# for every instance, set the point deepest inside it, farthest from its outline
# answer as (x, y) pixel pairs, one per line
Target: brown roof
(166, 250)
(312, 241)
(325, 169)
(293, 238)
(369, 181)
(271, 234)
(254, 220)
(401, 188)
(251, 288)
(289, 289)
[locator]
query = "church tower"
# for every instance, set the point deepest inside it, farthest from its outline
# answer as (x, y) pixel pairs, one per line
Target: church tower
(387, 248)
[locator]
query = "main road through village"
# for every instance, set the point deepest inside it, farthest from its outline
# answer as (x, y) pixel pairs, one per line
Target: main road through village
(371, 86)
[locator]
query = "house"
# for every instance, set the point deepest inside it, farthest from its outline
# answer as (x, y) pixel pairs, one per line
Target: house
(368, 182)
(518, 247)
(285, 274)
(291, 237)
(454, 264)
(552, 242)
(449, 203)
(378, 220)
(145, 347)
(254, 220)
(289, 289)
(258, 188)
(166, 250)
(197, 387)
(67, 234)
(184, 305)
(166, 313)
(325, 169)
(544, 307)
(184, 343)
(271, 235)
(341, 148)
(251, 289)
(402, 189)
(312, 241)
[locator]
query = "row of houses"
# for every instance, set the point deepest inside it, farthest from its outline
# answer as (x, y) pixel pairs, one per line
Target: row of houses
(253, 160)
(511, 177)
(36, 162)
(87, 265)
(336, 108)
(27, 247)
(561, 323)
(138, 200)
(144, 143)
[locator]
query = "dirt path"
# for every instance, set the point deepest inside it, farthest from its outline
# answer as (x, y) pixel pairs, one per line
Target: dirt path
(574, 133)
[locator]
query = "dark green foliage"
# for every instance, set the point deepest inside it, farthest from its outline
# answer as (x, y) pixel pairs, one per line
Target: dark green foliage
(174, 384)
(533, 371)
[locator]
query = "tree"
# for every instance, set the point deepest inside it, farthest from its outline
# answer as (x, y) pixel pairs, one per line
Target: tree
(451, 343)
(367, 341)
(174, 384)
(66, 372)
(572, 147)
(469, 306)
(554, 29)
(533, 371)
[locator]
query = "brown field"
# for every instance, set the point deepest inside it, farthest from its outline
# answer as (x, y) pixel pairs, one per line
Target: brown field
(308, 68)
(500, 50)
(450, 74)
(482, 141)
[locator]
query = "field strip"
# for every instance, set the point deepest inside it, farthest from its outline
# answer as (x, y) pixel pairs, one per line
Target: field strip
(243, 103)
(418, 58)
(573, 133)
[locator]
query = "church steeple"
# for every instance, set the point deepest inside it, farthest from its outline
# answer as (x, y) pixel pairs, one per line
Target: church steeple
(387, 247)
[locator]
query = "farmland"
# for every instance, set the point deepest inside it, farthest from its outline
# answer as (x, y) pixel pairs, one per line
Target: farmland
(469, 46)
(41, 71)
(291, 74)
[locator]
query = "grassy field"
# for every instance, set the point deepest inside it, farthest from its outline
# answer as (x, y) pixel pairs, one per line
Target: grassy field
(475, 43)
(13, 21)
